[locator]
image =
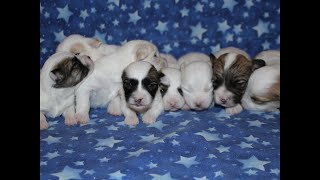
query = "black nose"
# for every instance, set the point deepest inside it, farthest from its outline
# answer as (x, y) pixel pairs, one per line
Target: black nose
(224, 101)
(138, 101)
(89, 57)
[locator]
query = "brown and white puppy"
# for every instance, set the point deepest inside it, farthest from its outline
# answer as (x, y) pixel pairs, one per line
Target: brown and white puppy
(60, 76)
(101, 89)
(78, 44)
(263, 90)
(196, 81)
(170, 89)
(231, 73)
(140, 93)
(231, 50)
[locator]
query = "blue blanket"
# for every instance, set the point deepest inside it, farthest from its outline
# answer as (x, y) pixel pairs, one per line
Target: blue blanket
(180, 145)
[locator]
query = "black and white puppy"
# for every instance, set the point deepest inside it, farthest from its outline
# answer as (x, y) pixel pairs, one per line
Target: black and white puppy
(140, 93)
(60, 76)
(231, 72)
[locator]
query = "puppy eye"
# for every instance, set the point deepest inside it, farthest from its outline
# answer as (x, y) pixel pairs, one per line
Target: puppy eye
(77, 54)
(257, 101)
(152, 85)
(127, 84)
(180, 91)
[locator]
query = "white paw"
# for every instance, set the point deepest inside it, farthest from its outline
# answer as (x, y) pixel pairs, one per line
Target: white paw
(234, 110)
(43, 122)
(185, 107)
(131, 120)
(114, 109)
(82, 118)
(70, 121)
(148, 118)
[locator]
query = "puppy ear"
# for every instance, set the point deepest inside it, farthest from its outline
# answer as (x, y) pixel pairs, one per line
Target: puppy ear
(212, 57)
(95, 43)
(57, 75)
(142, 52)
(164, 79)
(257, 63)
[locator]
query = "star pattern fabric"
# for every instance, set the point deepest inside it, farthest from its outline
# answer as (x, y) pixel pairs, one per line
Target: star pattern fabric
(180, 145)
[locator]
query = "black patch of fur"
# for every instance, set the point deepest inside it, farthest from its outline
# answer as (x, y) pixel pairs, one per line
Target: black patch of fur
(129, 85)
(69, 73)
(152, 81)
(180, 91)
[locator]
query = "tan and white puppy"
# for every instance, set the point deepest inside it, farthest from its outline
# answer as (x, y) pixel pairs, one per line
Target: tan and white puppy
(171, 61)
(101, 89)
(263, 90)
(231, 73)
(170, 89)
(81, 45)
(196, 80)
(60, 76)
(140, 93)
(231, 50)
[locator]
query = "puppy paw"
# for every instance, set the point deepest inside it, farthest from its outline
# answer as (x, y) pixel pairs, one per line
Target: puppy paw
(82, 118)
(234, 110)
(185, 107)
(114, 109)
(148, 118)
(131, 120)
(43, 122)
(70, 121)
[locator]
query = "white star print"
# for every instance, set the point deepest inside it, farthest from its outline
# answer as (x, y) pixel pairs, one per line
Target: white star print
(197, 31)
(251, 172)
(84, 14)
(158, 125)
(59, 36)
(222, 149)
(107, 142)
(51, 139)
(136, 153)
(255, 123)
(146, 4)
(134, 17)
(162, 26)
(166, 176)
(248, 4)
(251, 138)
(199, 7)
(223, 26)
(218, 173)
(229, 4)
(152, 165)
(187, 162)
(116, 2)
(68, 173)
(253, 162)
(117, 175)
(148, 138)
(167, 48)
(64, 13)
(261, 27)
(184, 12)
(52, 155)
(208, 136)
(245, 145)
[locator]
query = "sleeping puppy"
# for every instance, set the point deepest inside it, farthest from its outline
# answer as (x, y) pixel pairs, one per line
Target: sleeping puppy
(170, 61)
(196, 84)
(101, 89)
(170, 89)
(60, 76)
(81, 45)
(231, 72)
(263, 90)
(231, 50)
(140, 93)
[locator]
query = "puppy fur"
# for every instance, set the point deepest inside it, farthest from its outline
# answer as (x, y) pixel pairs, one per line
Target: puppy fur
(78, 44)
(60, 76)
(231, 50)
(103, 86)
(263, 90)
(171, 61)
(170, 89)
(231, 72)
(196, 80)
(140, 93)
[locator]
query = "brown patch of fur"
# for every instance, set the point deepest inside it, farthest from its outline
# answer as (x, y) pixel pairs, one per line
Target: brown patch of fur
(274, 91)
(77, 48)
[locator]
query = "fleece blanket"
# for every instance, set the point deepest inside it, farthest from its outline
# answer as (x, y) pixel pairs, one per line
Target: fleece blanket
(180, 145)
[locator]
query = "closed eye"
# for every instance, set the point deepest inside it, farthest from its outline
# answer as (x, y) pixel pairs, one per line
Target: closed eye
(258, 101)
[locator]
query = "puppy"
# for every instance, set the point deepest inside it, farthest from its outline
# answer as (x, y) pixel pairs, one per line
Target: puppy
(81, 45)
(231, 50)
(231, 72)
(170, 89)
(140, 93)
(170, 60)
(101, 89)
(263, 90)
(60, 76)
(196, 80)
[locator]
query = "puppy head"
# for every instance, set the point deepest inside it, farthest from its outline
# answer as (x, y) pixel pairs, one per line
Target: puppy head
(231, 73)
(70, 70)
(140, 83)
(263, 90)
(146, 51)
(170, 61)
(81, 45)
(196, 85)
(170, 89)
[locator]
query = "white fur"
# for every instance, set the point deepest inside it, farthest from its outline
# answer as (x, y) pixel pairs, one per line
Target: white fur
(231, 50)
(196, 75)
(151, 108)
(172, 62)
(57, 101)
(230, 58)
(105, 82)
(172, 100)
(90, 46)
(261, 80)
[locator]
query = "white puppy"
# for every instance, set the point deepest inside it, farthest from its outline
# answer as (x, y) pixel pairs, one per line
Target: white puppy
(196, 80)
(60, 76)
(170, 89)
(103, 86)
(231, 72)
(263, 90)
(81, 45)
(140, 93)
(170, 60)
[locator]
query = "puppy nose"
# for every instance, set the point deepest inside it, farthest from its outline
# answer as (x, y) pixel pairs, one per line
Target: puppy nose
(172, 103)
(198, 103)
(89, 57)
(223, 101)
(138, 101)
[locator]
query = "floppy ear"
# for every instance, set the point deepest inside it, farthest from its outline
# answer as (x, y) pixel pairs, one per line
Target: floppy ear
(212, 57)
(56, 75)
(142, 52)
(95, 43)
(164, 79)
(257, 63)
